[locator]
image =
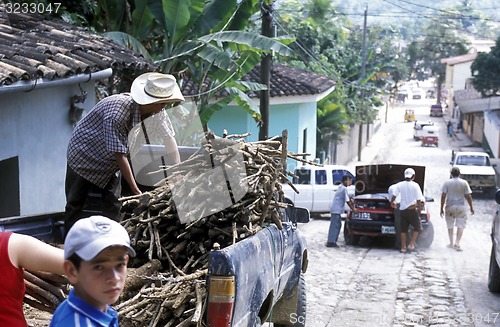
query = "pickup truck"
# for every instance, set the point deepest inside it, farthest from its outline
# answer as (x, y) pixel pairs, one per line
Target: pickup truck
(258, 279)
(476, 168)
(316, 186)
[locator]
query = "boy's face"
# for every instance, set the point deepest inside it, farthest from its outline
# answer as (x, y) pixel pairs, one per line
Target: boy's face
(99, 282)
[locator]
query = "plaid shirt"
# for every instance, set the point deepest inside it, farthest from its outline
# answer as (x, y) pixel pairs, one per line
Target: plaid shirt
(101, 133)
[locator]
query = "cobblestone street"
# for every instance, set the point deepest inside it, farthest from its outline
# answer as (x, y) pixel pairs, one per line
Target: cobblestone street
(374, 285)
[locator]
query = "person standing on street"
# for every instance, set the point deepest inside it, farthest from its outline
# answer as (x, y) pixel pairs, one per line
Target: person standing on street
(340, 199)
(410, 206)
(97, 151)
(452, 203)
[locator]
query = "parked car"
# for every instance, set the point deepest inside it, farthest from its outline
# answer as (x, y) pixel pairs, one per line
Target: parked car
(494, 271)
(374, 216)
(476, 168)
(418, 128)
(436, 110)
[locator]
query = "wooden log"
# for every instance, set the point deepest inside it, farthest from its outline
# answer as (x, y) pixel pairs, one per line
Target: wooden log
(51, 298)
(44, 285)
(51, 277)
(137, 277)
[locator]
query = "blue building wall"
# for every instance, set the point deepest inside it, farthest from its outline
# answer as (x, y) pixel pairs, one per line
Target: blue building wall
(298, 119)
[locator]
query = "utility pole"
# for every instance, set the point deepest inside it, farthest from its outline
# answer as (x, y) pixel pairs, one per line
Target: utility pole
(265, 72)
(363, 75)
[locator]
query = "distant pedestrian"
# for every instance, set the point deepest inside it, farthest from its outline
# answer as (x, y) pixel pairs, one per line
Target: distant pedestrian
(454, 191)
(410, 206)
(450, 128)
(340, 199)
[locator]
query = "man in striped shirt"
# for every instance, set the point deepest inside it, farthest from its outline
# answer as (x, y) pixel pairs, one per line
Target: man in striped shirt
(97, 151)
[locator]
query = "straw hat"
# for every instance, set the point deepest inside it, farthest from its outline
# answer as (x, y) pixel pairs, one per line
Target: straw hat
(155, 87)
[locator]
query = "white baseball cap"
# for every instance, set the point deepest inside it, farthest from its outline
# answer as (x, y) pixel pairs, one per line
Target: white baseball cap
(409, 172)
(89, 236)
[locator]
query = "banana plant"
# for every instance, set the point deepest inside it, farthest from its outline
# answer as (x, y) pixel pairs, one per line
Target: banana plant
(203, 41)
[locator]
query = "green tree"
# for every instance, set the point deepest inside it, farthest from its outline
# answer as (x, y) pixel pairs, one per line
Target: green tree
(441, 40)
(486, 71)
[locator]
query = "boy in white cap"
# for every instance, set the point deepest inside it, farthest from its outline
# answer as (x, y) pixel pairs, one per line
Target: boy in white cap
(96, 253)
(97, 151)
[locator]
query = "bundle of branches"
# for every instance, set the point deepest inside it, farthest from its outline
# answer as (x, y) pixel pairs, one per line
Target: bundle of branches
(45, 291)
(179, 225)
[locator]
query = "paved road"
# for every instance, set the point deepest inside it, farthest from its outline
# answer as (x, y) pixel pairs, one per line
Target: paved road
(374, 285)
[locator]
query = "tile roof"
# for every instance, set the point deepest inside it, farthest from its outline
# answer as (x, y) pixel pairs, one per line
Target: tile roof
(285, 81)
(33, 47)
(469, 57)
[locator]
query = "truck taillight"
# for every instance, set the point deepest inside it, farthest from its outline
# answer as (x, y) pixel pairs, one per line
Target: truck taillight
(220, 301)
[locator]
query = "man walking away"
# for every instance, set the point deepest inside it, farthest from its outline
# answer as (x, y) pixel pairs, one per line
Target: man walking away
(453, 193)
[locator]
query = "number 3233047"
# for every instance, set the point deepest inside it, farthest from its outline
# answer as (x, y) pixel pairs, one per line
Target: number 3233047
(32, 8)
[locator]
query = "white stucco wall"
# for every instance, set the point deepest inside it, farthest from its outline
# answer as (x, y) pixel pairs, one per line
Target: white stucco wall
(34, 126)
(492, 131)
(461, 74)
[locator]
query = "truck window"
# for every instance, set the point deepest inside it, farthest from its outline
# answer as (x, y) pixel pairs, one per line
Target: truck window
(337, 175)
(320, 177)
(303, 177)
(473, 161)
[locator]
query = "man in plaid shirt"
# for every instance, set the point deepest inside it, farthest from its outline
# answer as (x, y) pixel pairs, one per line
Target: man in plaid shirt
(97, 151)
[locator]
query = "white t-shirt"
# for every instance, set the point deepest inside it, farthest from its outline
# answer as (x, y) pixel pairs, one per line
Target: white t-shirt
(455, 189)
(409, 192)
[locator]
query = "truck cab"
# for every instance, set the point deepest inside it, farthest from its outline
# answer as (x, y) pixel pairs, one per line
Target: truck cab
(316, 186)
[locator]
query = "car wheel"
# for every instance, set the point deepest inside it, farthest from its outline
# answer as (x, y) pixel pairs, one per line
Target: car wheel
(493, 273)
(300, 314)
(426, 236)
(350, 239)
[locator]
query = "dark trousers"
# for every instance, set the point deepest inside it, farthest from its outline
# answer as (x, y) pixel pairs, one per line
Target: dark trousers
(84, 199)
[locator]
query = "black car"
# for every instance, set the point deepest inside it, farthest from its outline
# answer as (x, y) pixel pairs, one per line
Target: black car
(374, 216)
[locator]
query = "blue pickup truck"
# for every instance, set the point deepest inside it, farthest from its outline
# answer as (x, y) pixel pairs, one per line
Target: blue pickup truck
(260, 278)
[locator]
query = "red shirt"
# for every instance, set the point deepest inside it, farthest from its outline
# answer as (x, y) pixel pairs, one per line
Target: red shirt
(12, 288)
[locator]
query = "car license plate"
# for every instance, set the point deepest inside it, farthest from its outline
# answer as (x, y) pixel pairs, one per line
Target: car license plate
(388, 230)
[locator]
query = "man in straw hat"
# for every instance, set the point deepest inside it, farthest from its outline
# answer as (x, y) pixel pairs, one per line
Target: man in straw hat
(97, 151)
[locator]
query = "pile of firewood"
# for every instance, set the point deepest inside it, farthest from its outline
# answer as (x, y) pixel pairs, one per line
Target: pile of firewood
(167, 279)
(45, 291)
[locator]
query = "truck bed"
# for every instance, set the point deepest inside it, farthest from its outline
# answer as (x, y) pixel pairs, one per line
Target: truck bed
(47, 227)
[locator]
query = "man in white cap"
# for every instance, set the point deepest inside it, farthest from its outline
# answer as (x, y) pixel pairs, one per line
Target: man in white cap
(410, 205)
(97, 151)
(96, 252)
